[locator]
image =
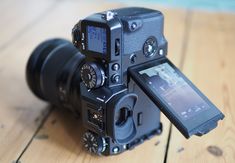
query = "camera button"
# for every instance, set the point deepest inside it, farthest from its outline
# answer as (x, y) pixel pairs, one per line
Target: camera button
(115, 149)
(115, 66)
(133, 58)
(115, 78)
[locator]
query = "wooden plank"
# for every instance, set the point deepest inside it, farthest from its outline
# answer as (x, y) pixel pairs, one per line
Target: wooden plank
(60, 135)
(17, 17)
(21, 112)
(210, 64)
(19, 118)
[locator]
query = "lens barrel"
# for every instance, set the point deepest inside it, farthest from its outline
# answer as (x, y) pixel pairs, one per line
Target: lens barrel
(53, 72)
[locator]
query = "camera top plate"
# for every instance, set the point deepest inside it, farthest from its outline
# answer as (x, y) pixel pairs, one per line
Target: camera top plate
(177, 97)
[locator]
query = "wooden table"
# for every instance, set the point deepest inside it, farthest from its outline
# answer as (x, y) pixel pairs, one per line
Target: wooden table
(201, 44)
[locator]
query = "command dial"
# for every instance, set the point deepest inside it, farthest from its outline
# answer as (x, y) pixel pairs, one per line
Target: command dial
(94, 143)
(92, 75)
(150, 47)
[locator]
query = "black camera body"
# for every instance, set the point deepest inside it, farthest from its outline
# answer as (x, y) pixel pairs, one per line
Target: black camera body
(117, 77)
(128, 31)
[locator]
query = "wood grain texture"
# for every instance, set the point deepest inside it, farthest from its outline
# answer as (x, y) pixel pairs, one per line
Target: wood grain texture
(62, 139)
(209, 63)
(18, 17)
(20, 112)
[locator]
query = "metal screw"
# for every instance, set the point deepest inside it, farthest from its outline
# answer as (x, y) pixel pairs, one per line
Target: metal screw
(115, 149)
(109, 15)
(133, 26)
(161, 52)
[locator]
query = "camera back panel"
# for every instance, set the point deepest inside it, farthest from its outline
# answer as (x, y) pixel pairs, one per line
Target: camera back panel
(124, 39)
(116, 44)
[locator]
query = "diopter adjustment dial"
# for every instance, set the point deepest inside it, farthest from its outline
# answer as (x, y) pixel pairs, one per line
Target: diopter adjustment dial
(76, 36)
(92, 75)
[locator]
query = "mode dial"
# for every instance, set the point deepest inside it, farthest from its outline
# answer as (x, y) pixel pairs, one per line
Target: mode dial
(92, 75)
(94, 143)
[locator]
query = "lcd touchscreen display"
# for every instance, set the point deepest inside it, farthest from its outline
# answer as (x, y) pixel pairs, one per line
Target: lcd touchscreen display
(181, 101)
(97, 39)
(174, 90)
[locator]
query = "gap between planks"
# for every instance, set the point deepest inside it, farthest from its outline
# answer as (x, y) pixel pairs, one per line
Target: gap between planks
(188, 22)
(50, 109)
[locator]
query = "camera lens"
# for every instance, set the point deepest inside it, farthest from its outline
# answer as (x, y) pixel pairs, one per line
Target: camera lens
(35, 63)
(53, 71)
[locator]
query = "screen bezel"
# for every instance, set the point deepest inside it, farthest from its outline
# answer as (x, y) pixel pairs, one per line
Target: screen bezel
(187, 127)
(94, 54)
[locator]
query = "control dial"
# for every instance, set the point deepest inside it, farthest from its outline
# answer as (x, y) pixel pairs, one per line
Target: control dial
(92, 75)
(150, 47)
(94, 143)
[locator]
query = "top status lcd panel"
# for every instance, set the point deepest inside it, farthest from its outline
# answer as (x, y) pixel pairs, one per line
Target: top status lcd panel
(185, 106)
(97, 39)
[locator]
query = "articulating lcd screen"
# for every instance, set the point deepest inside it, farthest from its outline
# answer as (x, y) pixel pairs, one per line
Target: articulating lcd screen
(174, 90)
(96, 39)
